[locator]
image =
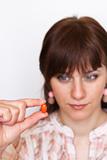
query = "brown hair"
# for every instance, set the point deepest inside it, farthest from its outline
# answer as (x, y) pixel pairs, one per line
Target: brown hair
(72, 43)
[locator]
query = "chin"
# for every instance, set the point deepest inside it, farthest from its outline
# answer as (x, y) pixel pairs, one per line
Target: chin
(79, 116)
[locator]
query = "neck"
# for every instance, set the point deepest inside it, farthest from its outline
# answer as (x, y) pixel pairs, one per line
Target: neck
(82, 128)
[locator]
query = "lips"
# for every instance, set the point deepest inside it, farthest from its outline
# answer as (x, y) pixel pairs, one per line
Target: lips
(78, 106)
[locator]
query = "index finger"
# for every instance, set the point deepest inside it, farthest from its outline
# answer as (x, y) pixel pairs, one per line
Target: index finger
(33, 102)
(28, 102)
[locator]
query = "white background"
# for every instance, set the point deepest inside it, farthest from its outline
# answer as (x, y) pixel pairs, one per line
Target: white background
(23, 24)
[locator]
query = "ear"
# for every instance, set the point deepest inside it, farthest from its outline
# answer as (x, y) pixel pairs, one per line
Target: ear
(105, 94)
(51, 99)
(50, 94)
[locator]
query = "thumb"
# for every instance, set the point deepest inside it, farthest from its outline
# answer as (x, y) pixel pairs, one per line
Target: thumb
(30, 121)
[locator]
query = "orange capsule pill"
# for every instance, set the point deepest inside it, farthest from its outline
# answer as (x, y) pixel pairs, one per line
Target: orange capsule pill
(44, 108)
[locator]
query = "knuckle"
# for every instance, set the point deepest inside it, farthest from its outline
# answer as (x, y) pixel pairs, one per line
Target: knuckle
(7, 110)
(7, 116)
(16, 111)
(22, 104)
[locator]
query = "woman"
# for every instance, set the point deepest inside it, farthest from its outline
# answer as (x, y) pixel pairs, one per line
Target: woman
(73, 61)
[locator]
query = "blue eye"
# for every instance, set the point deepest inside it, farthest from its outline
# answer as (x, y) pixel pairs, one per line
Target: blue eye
(91, 77)
(63, 77)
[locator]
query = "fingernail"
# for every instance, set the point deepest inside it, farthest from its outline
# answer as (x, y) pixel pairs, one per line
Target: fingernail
(43, 101)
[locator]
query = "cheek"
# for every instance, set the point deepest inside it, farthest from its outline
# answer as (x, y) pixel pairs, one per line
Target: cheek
(60, 93)
(96, 92)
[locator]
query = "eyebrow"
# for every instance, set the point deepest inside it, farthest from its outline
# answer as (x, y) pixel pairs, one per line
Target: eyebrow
(90, 71)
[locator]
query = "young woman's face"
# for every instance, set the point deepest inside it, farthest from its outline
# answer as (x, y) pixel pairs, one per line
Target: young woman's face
(79, 95)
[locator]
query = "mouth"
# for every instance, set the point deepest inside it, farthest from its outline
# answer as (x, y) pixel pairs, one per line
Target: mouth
(78, 106)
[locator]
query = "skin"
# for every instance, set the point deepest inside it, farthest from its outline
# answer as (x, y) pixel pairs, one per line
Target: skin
(105, 95)
(76, 89)
(79, 98)
(13, 120)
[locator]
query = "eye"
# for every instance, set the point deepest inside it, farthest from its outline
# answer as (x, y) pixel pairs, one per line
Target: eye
(63, 77)
(91, 76)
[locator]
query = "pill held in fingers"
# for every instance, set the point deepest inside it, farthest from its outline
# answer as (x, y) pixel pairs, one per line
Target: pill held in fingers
(44, 108)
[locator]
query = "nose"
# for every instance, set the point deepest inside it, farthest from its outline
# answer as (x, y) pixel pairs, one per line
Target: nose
(78, 90)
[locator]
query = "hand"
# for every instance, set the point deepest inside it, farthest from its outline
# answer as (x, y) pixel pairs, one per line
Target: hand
(13, 121)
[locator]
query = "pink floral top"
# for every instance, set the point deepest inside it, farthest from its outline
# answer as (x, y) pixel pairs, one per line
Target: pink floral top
(51, 140)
